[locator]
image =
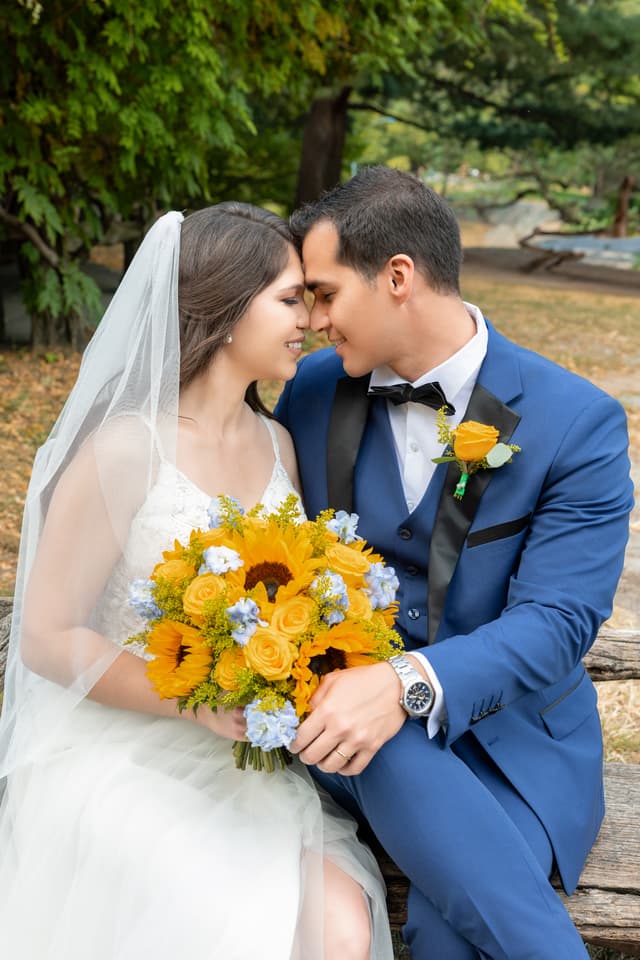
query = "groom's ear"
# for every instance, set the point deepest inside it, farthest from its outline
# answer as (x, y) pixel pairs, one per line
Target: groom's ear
(399, 273)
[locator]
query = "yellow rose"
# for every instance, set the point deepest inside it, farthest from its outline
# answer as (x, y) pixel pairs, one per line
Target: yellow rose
(173, 570)
(216, 537)
(226, 671)
(359, 605)
(269, 653)
(350, 563)
(293, 616)
(208, 586)
(473, 441)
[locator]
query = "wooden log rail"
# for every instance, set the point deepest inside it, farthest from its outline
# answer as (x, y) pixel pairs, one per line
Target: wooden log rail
(606, 905)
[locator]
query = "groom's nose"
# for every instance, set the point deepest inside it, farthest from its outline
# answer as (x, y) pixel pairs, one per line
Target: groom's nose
(319, 317)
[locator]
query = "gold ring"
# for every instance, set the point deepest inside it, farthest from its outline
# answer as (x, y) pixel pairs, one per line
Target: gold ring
(343, 755)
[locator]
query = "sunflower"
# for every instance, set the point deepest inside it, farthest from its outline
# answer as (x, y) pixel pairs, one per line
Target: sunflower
(386, 616)
(306, 682)
(348, 644)
(353, 641)
(281, 559)
(180, 660)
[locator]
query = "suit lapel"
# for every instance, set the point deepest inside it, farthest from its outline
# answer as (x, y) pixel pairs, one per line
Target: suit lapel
(348, 419)
(454, 517)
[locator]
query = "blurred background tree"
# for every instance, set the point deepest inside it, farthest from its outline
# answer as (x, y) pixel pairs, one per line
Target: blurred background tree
(114, 112)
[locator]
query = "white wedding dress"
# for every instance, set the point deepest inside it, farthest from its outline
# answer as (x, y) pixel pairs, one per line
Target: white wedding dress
(138, 839)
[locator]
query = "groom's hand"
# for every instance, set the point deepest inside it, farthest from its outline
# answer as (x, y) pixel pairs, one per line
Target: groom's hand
(354, 712)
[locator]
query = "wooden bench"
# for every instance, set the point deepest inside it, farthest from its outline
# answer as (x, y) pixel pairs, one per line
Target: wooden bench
(606, 905)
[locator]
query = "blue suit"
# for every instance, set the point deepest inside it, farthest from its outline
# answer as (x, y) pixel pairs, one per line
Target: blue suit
(504, 591)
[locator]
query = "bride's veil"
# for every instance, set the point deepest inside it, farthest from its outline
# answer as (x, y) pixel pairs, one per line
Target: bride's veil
(98, 464)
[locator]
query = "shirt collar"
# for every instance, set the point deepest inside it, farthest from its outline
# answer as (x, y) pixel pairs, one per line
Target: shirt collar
(453, 373)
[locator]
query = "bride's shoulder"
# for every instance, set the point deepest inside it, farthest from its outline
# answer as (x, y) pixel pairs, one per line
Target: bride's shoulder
(125, 440)
(124, 450)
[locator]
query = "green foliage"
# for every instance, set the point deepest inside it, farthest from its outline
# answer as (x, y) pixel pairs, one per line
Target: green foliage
(115, 112)
(518, 93)
(560, 118)
(103, 106)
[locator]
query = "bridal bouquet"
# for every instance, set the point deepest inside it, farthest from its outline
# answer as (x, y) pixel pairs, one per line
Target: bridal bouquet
(254, 611)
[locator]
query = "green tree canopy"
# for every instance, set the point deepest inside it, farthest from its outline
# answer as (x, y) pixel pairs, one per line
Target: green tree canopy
(564, 113)
(114, 111)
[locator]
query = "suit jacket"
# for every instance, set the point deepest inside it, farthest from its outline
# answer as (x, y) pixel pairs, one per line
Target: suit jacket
(517, 577)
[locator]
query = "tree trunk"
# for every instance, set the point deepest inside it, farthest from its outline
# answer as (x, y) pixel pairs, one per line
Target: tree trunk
(62, 331)
(3, 329)
(322, 146)
(621, 221)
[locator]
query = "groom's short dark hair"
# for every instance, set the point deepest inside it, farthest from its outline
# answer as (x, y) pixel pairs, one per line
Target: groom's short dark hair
(381, 212)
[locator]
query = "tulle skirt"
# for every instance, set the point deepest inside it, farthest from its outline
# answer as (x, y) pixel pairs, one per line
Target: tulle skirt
(138, 837)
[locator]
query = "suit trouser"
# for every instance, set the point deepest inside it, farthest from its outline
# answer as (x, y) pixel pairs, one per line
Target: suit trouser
(477, 856)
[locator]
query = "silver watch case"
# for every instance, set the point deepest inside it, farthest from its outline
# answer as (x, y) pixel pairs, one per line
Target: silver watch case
(417, 693)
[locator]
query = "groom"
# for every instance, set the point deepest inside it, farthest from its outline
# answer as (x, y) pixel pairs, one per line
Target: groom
(477, 756)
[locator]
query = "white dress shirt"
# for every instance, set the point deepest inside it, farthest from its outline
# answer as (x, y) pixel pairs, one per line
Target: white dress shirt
(415, 436)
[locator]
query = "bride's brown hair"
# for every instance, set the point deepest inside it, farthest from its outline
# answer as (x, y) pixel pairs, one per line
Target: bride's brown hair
(229, 253)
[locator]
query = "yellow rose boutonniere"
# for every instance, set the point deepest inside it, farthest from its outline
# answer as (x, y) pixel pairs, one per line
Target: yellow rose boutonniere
(473, 446)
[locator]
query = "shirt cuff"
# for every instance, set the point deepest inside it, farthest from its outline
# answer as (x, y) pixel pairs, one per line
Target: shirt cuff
(438, 716)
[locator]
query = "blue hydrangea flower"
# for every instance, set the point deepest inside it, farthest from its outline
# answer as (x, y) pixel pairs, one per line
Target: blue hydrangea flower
(141, 598)
(220, 560)
(214, 510)
(345, 525)
(269, 729)
(382, 584)
(244, 614)
(331, 593)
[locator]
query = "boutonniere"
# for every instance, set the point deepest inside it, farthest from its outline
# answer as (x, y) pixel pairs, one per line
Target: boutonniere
(473, 446)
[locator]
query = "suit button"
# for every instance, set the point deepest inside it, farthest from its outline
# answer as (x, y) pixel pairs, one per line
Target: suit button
(412, 571)
(404, 533)
(413, 614)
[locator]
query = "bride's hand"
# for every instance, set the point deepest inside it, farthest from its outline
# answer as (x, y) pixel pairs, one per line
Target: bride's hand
(226, 723)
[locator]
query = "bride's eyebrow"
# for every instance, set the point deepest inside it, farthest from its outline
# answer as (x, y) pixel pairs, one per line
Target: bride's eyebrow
(292, 288)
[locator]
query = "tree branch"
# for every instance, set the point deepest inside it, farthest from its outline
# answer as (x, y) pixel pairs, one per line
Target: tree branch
(385, 113)
(30, 232)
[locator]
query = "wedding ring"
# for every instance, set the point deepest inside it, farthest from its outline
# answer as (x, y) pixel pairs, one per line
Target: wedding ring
(344, 756)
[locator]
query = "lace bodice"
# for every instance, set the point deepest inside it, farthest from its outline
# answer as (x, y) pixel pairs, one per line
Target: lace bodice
(173, 507)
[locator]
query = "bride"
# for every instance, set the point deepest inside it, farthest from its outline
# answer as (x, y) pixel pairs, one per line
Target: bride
(125, 829)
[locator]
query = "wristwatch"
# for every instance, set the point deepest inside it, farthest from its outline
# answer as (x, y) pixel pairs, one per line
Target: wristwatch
(417, 693)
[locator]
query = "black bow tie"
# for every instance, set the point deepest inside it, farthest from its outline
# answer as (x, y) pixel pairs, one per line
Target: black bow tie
(430, 394)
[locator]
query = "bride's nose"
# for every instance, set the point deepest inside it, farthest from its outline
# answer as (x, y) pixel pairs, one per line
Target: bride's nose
(302, 322)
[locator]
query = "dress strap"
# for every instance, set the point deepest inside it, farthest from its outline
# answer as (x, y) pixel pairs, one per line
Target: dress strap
(274, 437)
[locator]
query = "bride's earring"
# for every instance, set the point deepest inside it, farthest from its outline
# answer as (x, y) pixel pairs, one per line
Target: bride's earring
(228, 338)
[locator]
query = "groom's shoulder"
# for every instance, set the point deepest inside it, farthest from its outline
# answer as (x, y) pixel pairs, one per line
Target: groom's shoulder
(542, 374)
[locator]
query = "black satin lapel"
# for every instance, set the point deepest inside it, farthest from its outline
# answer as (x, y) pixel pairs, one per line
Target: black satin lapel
(454, 517)
(348, 419)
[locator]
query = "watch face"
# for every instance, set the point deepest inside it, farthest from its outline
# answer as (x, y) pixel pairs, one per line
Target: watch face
(418, 697)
